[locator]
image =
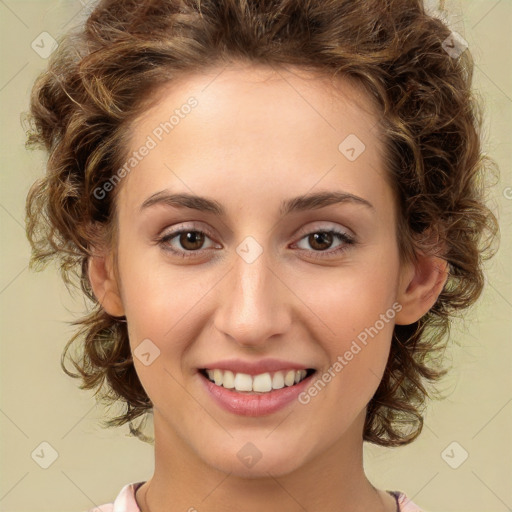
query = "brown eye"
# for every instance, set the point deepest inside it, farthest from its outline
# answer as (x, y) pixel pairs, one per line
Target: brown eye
(191, 240)
(321, 240)
(185, 242)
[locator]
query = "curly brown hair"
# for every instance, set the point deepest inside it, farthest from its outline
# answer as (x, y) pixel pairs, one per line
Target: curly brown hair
(100, 78)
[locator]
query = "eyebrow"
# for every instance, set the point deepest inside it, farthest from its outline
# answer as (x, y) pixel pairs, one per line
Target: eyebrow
(305, 202)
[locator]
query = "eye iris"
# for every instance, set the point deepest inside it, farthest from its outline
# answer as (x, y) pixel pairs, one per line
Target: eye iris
(322, 238)
(193, 237)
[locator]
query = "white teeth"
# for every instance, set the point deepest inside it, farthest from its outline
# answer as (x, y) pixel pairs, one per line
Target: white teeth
(243, 382)
(262, 383)
(217, 377)
(289, 380)
(278, 380)
(229, 380)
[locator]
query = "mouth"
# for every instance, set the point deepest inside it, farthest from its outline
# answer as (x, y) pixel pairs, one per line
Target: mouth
(256, 384)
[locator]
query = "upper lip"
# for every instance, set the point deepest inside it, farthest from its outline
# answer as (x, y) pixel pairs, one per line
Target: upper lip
(255, 367)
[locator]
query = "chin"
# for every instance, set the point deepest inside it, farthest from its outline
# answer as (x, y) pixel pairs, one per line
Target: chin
(258, 459)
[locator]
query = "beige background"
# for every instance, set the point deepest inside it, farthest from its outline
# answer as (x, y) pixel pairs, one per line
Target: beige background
(40, 403)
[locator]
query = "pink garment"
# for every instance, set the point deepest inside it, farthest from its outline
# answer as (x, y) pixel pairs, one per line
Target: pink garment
(125, 501)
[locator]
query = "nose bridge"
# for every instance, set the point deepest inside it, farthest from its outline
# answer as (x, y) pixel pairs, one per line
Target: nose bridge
(252, 307)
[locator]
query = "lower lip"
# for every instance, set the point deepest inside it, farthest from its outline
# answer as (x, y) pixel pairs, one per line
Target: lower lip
(245, 404)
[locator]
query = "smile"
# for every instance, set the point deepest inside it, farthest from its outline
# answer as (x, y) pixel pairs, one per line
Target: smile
(261, 383)
(249, 390)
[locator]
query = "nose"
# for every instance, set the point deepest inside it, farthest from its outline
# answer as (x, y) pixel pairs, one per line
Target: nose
(254, 303)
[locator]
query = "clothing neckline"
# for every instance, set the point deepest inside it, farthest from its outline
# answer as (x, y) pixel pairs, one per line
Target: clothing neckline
(395, 494)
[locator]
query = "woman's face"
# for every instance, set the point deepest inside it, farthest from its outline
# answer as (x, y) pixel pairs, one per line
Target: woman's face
(255, 285)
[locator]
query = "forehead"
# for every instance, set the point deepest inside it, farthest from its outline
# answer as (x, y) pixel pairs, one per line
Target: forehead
(263, 129)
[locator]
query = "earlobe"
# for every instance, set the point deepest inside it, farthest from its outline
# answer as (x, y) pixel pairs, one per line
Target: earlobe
(420, 287)
(104, 284)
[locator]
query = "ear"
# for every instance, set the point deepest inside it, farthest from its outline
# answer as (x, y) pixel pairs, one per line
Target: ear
(104, 284)
(420, 285)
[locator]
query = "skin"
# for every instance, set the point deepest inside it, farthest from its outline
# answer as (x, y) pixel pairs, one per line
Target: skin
(259, 136)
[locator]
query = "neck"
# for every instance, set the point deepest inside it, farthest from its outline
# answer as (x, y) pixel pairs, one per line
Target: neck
(332, 481)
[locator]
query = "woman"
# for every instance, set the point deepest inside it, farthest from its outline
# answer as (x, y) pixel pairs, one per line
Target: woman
(275, 208)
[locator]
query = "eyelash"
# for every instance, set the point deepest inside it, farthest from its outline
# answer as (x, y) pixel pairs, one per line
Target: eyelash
(340, 235)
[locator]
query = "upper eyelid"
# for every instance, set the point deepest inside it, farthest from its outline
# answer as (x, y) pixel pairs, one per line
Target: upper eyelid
(333, 227)
(177, 230)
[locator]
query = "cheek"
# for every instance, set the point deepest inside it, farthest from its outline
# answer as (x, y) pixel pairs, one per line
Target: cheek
(359, 309)
(164, 303)
(363, 360)
(353, 298)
